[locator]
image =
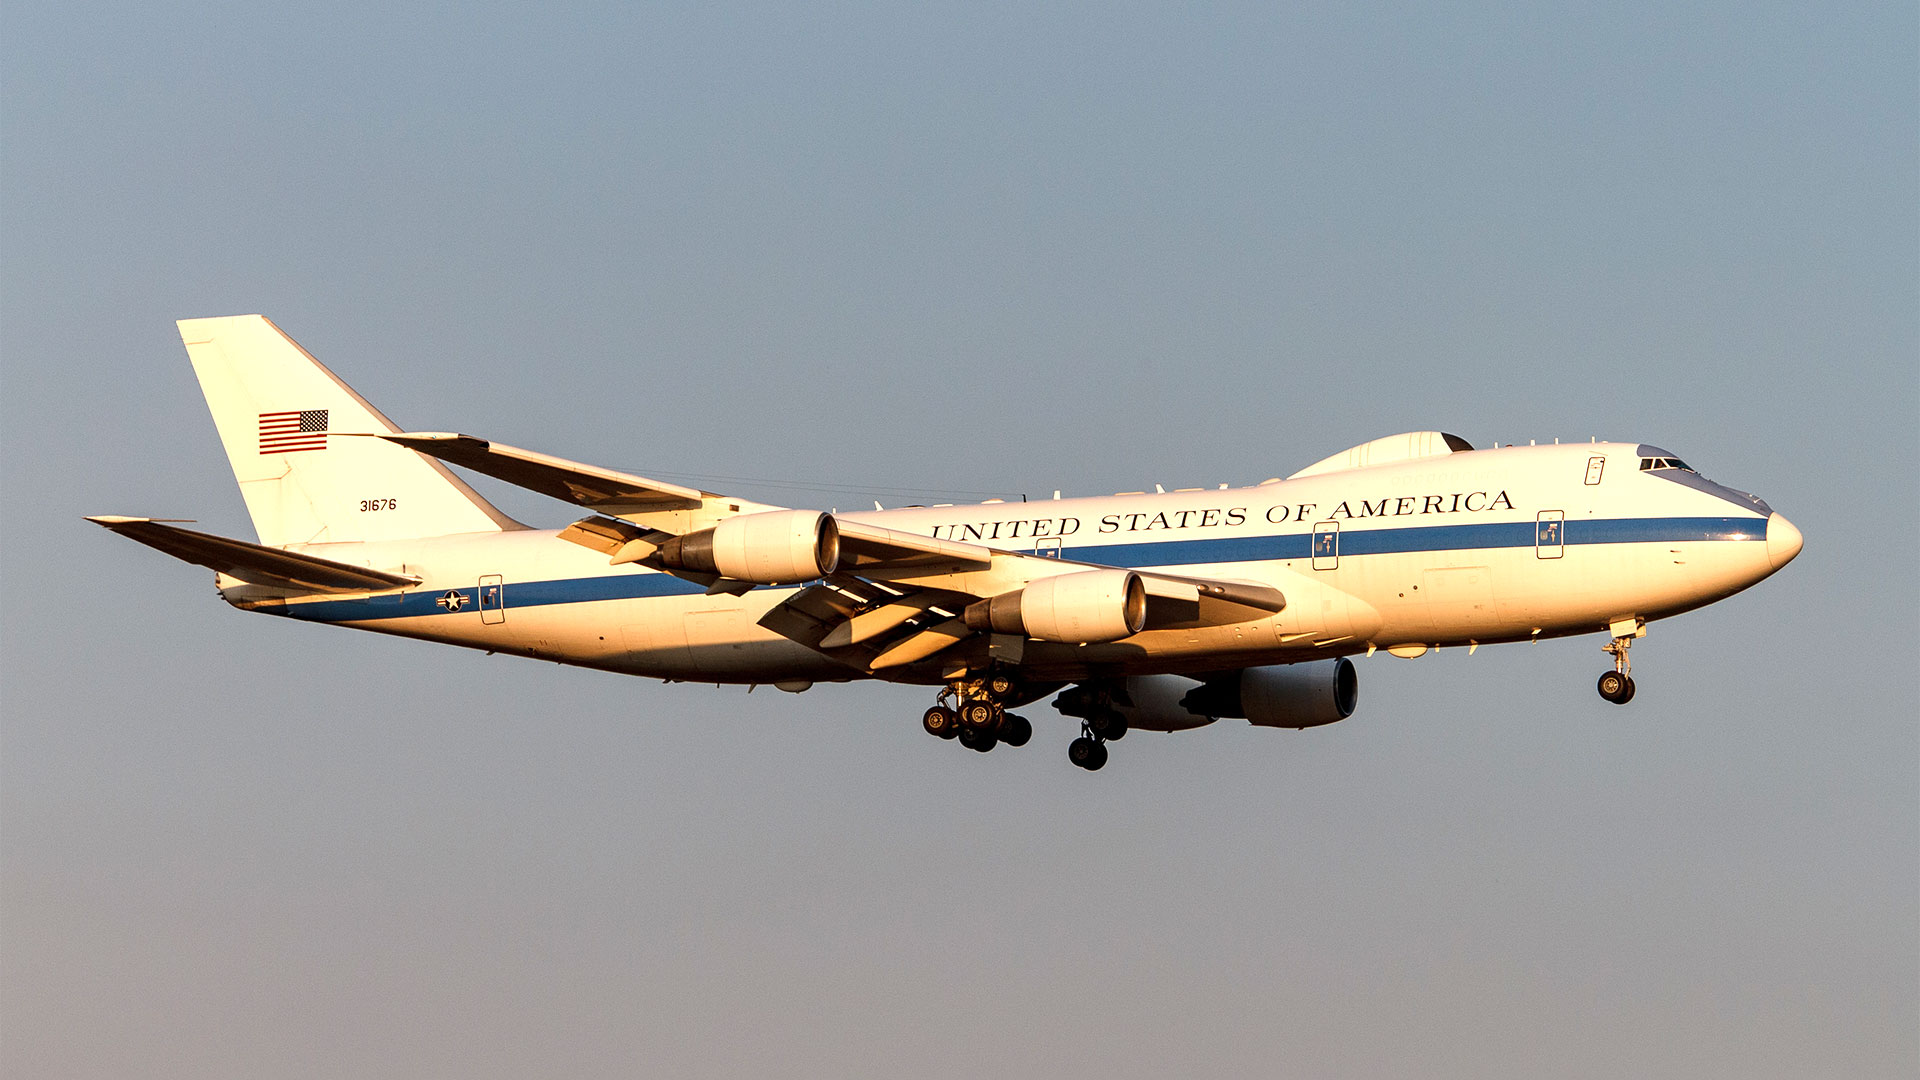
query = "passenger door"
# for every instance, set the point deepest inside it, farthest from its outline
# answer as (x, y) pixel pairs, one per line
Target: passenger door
(1550, 534)
(1326, 545)
(493, 598)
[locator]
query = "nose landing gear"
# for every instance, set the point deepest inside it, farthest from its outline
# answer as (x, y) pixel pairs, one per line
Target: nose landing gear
(1617, 685)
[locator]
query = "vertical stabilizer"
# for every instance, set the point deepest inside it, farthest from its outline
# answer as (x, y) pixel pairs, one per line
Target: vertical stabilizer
(298, 439)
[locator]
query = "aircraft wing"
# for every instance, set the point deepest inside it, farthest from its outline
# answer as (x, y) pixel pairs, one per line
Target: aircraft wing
(616, 494)
(879, 621)
(898, 598)
(658, 509)
(873, 550)
(864, 549)
(255, 563)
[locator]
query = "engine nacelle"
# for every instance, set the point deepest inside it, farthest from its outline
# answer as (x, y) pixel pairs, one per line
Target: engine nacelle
(779, 547)
(1288, 695)
(1145, 702)
(1086, 606)
(1153, 703)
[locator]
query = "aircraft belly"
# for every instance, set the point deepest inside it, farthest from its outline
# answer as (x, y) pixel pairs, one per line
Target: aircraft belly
(1459, 601)
(1322, 606)
(1594, 583)
(697, 637)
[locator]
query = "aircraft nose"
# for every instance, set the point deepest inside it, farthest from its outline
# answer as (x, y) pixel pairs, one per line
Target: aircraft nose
(1783, 541)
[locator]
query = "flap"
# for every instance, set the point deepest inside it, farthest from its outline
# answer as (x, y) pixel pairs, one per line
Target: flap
(866, 620)
(607, 536)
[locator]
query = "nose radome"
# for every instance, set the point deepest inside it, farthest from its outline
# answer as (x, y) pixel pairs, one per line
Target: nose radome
(1783, 541)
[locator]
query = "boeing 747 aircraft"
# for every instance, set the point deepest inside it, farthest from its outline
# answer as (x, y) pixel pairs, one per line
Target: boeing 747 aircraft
(1157, 612)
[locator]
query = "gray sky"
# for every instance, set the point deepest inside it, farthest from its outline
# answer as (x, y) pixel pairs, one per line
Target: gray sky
(970, 250)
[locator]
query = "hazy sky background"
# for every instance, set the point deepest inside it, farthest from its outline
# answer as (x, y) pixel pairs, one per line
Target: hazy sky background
(901, 252)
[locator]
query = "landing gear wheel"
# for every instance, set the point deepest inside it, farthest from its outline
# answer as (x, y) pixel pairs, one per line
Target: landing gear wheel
(979, 716)
(1108, 726)
(1087, 754)
(1015, 730)
(974, 739)
(942, 722)
(1000, 685)
(1616, 687)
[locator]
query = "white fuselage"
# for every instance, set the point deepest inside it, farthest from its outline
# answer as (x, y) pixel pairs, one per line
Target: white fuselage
(1472, 547)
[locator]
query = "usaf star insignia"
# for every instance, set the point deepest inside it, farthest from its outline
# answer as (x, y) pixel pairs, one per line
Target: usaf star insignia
(452, 600)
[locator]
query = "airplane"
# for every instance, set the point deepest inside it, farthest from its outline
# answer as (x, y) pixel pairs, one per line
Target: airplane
(1161, 611)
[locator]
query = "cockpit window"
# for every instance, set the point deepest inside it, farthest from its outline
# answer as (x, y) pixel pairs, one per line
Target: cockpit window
(1648, 464)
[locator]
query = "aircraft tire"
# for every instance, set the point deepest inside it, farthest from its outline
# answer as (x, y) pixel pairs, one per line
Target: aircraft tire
(975, 739)
(941, 722)
(1015, 730)
(1087, 753)
(978, 715)
(1109, 725)
(1615, 687)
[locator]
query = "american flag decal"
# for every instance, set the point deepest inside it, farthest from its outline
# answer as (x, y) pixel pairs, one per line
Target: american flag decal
(285, 432)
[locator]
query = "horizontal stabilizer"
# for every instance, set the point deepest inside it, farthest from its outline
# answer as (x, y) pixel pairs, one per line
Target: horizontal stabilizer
(254, 563)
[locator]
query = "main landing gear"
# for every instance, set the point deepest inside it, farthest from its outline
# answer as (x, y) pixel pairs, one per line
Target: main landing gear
(1617, 685)
(977, 719)
(1100, 723)
(973, 712)
(1088, 751)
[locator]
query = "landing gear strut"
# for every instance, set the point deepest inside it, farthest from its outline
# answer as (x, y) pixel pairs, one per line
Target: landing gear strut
(1089, 751)
(1617, 685)
(1100, 723)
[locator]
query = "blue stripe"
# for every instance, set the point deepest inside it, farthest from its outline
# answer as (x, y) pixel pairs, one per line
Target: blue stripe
(1510, 534)
(1353, 542)
(517, 594)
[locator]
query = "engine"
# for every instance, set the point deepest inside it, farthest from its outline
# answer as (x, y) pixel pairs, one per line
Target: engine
(1087, 606)
(1153, 703)
(779, 547)
(1288, 695)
